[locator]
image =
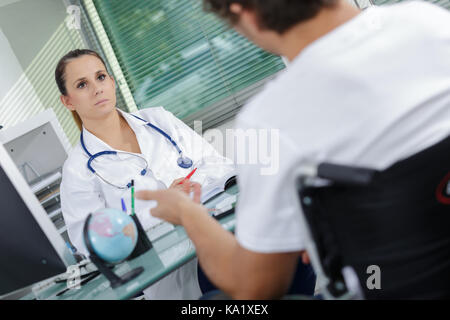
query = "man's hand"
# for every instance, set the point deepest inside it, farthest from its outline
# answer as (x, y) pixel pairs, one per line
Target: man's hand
(305, 257)
(174, 203)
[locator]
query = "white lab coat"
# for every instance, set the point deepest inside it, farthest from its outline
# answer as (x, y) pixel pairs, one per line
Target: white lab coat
(82, 192)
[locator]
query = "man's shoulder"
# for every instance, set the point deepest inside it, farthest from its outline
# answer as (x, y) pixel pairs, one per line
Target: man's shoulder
(262, 108)
(418, 5)
(417, 12)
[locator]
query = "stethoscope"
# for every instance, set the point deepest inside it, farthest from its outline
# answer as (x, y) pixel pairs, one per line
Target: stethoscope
(183, 162)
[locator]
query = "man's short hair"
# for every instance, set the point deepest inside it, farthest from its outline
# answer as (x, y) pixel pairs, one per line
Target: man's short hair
(276, 15)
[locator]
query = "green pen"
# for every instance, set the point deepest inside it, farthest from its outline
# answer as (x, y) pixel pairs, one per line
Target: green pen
(132, 198)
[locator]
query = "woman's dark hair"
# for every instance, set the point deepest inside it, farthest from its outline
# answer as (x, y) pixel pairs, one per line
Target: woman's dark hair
(60, 74)
(276, 15)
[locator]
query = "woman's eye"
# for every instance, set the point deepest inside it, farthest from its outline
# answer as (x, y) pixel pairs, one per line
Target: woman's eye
(101, 77)
(81, 85)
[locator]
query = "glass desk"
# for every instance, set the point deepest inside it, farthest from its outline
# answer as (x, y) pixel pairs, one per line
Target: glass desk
(169, 252)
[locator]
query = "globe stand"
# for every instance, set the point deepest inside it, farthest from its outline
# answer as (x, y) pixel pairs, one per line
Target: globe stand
(113, 278)
(102, 266)
(143, 243)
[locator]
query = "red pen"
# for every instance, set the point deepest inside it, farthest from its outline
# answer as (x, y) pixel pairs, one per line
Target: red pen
(188, 176)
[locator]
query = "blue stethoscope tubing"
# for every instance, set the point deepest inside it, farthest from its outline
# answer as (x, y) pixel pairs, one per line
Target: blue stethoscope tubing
(183, 162)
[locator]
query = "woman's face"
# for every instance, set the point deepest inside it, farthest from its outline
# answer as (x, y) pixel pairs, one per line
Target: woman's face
(91, 92)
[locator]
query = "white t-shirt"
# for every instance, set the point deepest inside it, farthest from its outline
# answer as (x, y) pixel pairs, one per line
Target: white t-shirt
(373, 91)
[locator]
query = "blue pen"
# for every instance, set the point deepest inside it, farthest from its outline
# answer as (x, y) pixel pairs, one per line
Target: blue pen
(72, 249)
(124, 208)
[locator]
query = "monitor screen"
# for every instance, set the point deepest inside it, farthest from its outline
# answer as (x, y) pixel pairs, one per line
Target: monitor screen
(31, 249)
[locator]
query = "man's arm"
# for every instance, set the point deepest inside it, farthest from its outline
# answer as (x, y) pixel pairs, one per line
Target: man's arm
(241, 273)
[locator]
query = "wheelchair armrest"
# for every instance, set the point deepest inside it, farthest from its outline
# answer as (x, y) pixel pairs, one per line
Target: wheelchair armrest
(345, 174)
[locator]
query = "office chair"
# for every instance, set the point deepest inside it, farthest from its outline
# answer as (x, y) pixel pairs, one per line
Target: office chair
(397, 221)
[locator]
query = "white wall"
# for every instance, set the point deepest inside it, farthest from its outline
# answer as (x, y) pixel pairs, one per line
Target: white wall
(18, 100)
(10, 66)
(34, 37)
(29, 24)
(6, 2)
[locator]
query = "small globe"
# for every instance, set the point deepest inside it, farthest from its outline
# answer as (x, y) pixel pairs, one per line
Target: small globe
(112, 235)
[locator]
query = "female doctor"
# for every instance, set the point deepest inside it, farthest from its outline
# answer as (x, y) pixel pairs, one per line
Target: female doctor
(152, 147)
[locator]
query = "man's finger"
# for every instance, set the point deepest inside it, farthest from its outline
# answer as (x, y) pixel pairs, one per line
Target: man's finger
(154, 212)
(305, 258)
(148, 195)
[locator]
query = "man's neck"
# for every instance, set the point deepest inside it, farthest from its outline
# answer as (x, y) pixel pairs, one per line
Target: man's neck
(293, 41)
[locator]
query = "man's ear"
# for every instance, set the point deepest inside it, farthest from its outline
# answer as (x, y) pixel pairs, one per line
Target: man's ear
(66, 102)
(236, 8)
(247, 17)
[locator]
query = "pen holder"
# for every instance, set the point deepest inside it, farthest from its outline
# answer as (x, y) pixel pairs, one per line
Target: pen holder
(143, 243)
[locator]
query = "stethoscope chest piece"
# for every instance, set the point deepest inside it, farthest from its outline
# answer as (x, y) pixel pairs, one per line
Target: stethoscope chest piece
(184, 162)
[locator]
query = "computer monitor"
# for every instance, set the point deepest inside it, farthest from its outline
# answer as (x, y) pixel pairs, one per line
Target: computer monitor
(31, 249)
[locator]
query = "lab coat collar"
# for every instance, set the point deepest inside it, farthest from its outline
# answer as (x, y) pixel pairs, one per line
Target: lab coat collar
(139, 126)
(134, 122)
(94, 144)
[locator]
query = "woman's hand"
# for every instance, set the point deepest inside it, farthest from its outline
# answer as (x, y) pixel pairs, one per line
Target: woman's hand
(187, 187)
(173, 203)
